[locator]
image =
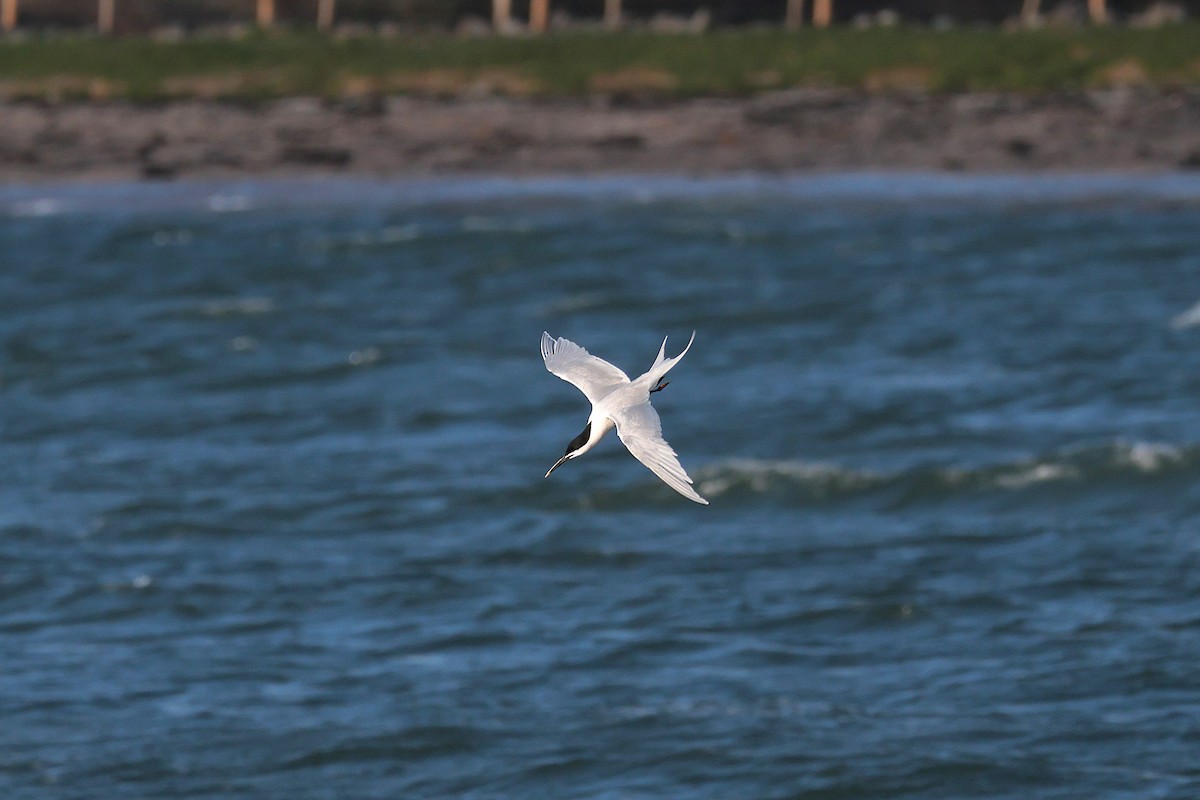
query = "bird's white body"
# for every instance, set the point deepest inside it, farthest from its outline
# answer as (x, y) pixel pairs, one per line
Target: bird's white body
(620, 403)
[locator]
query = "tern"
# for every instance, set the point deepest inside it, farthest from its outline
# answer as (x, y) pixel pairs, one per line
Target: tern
(620, 403)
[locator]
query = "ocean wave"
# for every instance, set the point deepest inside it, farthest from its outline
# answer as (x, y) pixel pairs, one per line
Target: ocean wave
(37, 207)
(381, 238)
(238, 307)
(224, 203)
(580, 301)
(752, 476)
(477, 223)
(1079, 467)
(1187, 319)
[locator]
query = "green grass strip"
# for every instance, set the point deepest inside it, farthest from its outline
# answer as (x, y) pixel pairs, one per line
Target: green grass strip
(725, 62)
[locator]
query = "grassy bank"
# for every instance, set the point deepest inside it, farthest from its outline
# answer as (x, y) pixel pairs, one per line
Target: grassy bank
(723, 62)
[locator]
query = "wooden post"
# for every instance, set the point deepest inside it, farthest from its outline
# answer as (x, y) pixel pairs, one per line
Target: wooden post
(8, 15)
(325, 14)
(1031, 10)
(539, 14)
(105, 11)
(793, 17)
(612, 14)
(1098, 12)
(502, 15)
(265, 13)
(822, 13)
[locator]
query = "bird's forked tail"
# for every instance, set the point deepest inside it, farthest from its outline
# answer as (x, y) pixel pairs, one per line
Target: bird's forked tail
(662, 365)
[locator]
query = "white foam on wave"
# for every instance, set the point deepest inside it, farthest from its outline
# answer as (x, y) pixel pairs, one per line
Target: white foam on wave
(482, 224)
(760, 475)
(137, 583)
(1152, 457)
(392, 234)
(1035, 473)
(1188, 319)
(225, 203)
(39, 207)
(166, 238)
(581, 301)
(399, 233)
(818, 480)
(238, 306)
(364, 357)
(243, 344)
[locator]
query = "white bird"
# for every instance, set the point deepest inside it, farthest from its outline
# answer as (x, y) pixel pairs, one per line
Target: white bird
(621, 403)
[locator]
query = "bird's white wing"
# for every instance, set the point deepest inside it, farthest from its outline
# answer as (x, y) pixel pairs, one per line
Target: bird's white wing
(641, 431)
(593, 376)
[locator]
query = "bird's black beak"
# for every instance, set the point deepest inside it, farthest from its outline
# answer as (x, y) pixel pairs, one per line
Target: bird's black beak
(558, 464)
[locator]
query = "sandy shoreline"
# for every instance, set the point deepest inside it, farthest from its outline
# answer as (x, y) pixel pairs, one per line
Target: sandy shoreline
(799, 130)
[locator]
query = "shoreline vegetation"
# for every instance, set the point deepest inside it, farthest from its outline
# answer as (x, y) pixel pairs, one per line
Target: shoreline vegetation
(264, 65)
(288, 102)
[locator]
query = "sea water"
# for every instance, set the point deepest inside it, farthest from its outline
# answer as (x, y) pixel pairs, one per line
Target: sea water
(273, 521)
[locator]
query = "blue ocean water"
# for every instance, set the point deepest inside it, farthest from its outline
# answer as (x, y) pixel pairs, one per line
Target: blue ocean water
(273, 521)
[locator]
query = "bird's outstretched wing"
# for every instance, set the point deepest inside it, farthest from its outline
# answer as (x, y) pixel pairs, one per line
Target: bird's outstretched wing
(593, 376)
(641, 431)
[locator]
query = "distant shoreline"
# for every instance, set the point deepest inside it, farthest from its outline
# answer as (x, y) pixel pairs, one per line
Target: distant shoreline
(815, 130)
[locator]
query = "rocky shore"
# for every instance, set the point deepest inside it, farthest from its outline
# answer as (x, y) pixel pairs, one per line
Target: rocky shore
(795, 130)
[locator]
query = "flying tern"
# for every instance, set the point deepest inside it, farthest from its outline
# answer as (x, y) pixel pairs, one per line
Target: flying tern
(621, 403)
